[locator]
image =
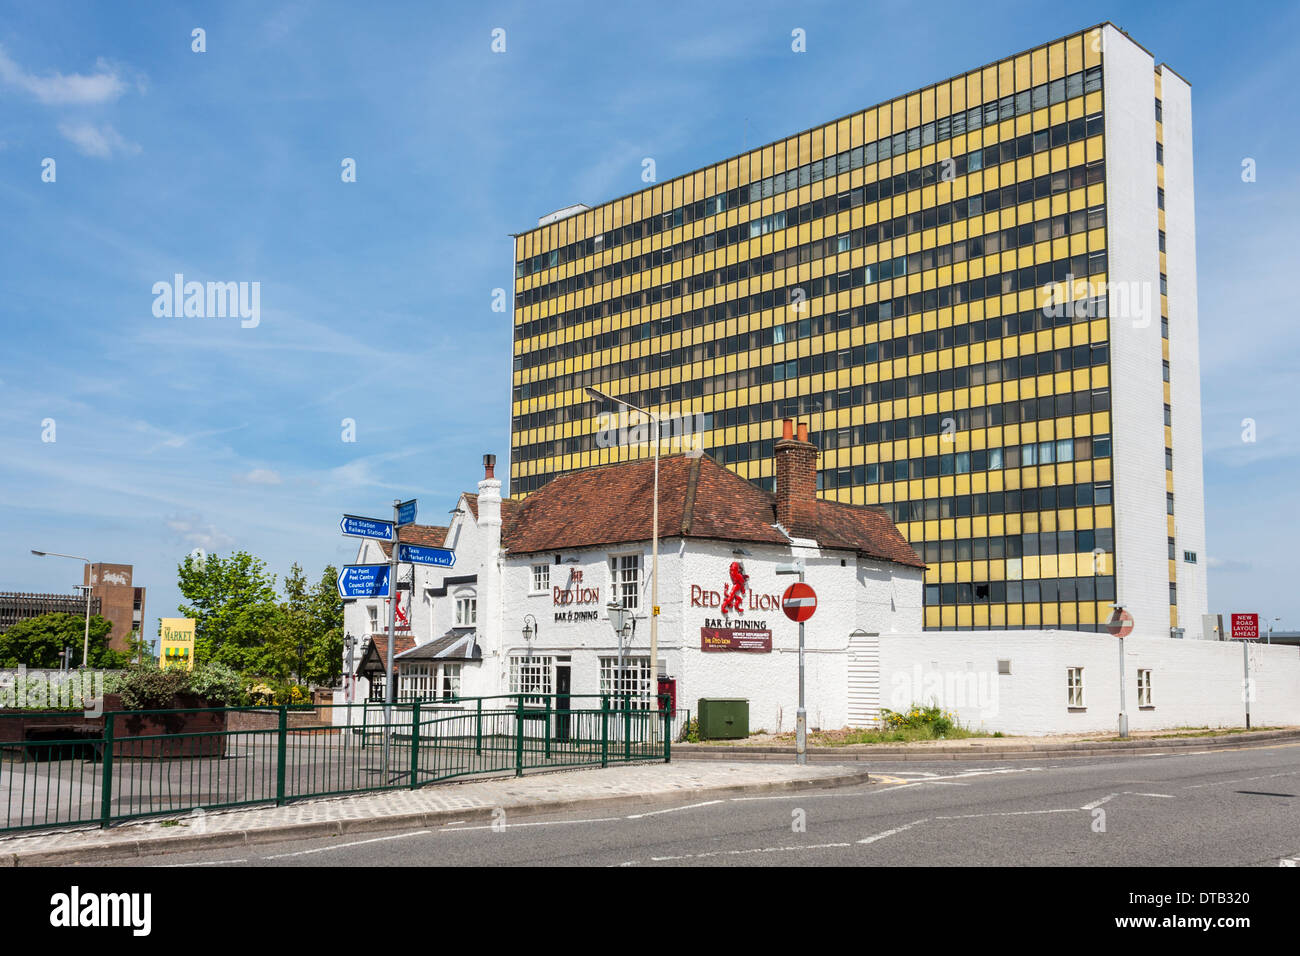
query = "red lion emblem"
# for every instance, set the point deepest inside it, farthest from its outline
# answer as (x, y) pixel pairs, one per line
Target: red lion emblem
(732, 596)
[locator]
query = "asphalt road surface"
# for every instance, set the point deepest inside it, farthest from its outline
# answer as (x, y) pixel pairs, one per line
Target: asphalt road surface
(1220, 808)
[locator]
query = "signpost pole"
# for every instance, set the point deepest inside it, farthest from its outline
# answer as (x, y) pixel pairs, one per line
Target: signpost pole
(801, 715)
(1123, 709)
(1245, 663)
(390, 669)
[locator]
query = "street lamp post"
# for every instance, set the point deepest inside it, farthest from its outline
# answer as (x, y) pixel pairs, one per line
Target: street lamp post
(654, 550)
(85, 648)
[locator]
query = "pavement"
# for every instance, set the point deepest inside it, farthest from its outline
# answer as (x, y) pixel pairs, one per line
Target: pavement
(1222, 808)
(642, 785)
(770, 748)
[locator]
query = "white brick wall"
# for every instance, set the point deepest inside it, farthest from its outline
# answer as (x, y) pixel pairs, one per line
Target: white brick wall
(1194, 683)
(1137, 386)
(1184, 351)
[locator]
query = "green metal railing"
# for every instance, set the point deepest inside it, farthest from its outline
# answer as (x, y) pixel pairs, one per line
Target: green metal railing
(65, 769)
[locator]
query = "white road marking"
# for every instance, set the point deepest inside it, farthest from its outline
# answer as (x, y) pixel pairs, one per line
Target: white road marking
(764, 849)
(1096, 803)
(1008, 813)
(169, 866)
(889, 833)
(342, 846)
(537, 823)
(655, 813)
(947, 783)
(1166, 796)
(1224, 783)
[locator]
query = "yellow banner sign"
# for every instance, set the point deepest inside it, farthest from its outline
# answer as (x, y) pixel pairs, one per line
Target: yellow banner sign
(177, 646)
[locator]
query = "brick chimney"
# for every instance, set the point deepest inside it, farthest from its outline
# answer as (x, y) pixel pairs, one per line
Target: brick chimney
(796, 480)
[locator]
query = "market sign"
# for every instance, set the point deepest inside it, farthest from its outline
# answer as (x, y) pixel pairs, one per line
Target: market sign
(735, 639)
(176, 645)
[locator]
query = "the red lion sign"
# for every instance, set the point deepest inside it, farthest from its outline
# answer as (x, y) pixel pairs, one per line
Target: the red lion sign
(733, 595)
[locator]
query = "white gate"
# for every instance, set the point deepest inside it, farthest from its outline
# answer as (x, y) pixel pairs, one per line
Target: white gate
(864, 680)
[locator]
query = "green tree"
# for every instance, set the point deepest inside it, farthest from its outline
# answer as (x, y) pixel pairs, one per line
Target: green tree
(309, 641)
(235, 609)
(37, 641)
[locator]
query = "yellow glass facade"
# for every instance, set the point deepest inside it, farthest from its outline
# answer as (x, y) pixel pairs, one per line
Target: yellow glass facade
(896, 279)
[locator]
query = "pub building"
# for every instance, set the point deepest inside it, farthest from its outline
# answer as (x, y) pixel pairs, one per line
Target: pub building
(525, 607)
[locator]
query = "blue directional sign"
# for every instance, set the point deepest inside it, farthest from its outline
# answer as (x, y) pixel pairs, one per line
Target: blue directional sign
(357, 527)
(364, 581)
(419, 554)
(406, 513)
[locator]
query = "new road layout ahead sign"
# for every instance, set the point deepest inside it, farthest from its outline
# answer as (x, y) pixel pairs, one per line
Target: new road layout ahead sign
(420, 554)
(364, 581)
(1245, 627)
(357, 527)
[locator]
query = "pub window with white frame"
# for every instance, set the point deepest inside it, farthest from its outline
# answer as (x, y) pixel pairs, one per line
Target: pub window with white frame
(625, 570)
(417, 682)
(372, 615)
(1144, 687)
(450, 689)
(541, 578)
(466, 610)
(635, 680)
(1074, 685)
(531, 676)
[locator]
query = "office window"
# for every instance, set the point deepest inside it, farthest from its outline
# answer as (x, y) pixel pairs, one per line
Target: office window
(1160, 197)
(1165, 370)
(1164, 284)
(1144, 687)
(1173, 593)
(1160, 152)
(541, 577)
(1169, 502)
(625, 570)
(1160, 112)
(1189, 557)
(1162, 240)
(1171, 549)
(1074, 687)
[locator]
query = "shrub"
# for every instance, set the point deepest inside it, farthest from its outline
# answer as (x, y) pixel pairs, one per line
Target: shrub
(218, 683)
(940, 722)
(148, 688)
(690, 733)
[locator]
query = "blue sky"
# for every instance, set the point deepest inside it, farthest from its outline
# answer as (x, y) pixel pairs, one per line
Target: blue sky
(177, 433)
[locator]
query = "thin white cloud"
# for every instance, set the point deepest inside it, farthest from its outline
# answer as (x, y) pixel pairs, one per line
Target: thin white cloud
(194, 532)
(260, 476)
(101, 141)
(59, 89)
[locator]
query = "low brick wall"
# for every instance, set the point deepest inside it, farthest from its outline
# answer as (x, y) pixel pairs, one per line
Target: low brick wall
(269, 719)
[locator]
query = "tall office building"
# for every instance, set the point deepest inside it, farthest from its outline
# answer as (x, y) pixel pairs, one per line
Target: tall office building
(981, 296)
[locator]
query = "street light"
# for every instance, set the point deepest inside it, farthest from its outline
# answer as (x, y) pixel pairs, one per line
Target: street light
(1117, 620)
(85, 649)
(1270, 629)
(654, 547)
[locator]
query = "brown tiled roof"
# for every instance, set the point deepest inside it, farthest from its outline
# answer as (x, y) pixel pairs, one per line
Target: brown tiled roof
(698, 498)
(507, 506)
(431, 536)
(378, 647)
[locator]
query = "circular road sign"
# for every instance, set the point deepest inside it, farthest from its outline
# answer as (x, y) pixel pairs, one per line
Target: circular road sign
(1120, 623)
(799, 602)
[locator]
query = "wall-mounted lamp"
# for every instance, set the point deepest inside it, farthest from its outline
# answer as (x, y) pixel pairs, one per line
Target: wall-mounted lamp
(530, 627)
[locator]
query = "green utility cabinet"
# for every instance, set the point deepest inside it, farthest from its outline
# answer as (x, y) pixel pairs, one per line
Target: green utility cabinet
(723, 718)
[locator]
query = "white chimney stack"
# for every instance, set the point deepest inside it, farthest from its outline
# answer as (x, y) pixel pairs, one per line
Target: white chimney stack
(489, 495)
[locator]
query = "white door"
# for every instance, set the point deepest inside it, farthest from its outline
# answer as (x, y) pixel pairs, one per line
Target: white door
(864, 680)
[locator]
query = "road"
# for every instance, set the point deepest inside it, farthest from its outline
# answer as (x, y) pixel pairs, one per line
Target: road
(1223, 808)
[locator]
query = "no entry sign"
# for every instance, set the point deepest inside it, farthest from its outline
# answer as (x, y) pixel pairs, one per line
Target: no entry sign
(799, 602)
(1245, 627)
(1120, 623)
